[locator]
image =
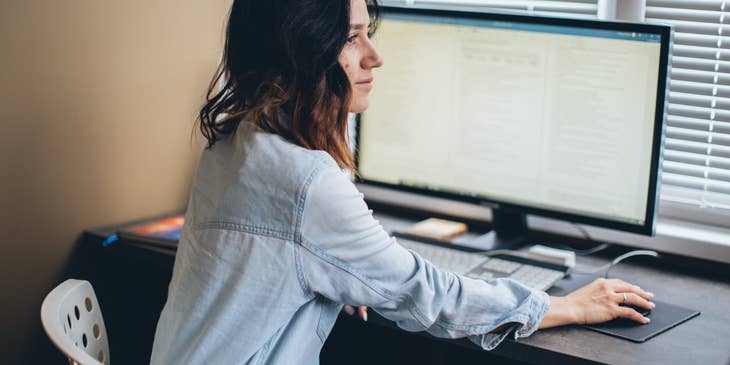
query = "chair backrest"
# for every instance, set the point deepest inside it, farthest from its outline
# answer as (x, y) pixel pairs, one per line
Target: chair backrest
(72, 319)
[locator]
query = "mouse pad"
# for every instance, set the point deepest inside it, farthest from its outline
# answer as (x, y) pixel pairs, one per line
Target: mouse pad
(663, 317)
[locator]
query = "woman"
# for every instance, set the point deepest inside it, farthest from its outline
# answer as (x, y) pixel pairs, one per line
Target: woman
(277, 238)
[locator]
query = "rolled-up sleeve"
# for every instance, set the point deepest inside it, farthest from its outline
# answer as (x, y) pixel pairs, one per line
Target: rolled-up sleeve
(345, 255)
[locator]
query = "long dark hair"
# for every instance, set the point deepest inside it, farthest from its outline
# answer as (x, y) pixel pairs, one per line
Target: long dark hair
(281, 57)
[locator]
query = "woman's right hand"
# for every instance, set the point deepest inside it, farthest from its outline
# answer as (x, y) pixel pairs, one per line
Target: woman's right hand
(362, 311)
(598, 302)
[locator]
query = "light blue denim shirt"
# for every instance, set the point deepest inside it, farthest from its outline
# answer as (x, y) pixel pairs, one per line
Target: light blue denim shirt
(277, 239)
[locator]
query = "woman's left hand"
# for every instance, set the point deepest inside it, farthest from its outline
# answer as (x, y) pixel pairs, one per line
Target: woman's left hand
(362, 311)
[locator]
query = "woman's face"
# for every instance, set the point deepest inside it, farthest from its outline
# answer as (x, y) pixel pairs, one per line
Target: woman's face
(359, 57)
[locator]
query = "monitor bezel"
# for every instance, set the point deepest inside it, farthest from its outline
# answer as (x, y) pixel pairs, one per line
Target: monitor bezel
(665, 33)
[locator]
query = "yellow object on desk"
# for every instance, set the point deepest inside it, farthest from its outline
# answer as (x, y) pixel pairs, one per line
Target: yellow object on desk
(437, 228)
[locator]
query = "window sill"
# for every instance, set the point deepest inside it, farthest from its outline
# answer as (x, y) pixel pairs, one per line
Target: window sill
(673, 236)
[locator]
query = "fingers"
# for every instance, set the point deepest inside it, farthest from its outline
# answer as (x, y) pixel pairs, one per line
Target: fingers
(363, 313)
(632, 295)
(640, 301)
(630, 313)
(635, 300)
(621, 286)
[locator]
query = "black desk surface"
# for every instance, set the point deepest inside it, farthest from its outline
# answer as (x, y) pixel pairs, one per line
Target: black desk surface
(702, 340)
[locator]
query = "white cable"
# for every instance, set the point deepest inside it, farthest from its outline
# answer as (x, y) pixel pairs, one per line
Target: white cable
(616, 261)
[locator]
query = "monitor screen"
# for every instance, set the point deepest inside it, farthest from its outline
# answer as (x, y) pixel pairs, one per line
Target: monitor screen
(558, 117)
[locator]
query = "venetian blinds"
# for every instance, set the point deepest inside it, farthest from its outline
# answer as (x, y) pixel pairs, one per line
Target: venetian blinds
(696, 167)
(570, 8)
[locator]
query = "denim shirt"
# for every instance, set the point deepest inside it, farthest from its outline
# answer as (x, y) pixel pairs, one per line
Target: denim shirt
(277, 239)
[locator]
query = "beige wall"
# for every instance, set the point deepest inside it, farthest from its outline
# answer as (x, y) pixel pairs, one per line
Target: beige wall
(97, 103)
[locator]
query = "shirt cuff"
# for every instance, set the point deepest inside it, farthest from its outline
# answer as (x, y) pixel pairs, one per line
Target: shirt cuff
(524, 322)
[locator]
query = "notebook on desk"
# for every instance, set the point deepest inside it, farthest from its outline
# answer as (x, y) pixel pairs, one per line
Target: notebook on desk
(161, 231)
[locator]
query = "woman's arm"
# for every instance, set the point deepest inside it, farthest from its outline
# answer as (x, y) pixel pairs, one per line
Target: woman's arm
(345, 255)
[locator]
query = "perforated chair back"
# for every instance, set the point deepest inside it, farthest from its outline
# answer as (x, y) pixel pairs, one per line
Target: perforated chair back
(72, 319)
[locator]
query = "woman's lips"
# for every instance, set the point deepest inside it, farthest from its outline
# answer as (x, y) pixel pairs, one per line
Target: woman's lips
(365, 83)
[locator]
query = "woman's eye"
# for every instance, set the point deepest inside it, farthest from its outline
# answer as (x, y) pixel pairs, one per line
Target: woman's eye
(351, 39)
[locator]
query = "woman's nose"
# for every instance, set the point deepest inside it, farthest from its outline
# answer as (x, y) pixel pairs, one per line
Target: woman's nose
(372, 58)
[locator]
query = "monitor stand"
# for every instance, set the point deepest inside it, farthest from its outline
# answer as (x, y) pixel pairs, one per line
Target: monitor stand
(509, 231)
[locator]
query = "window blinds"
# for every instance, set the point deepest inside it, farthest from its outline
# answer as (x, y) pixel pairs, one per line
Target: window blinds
(574, 8)
(696, 167)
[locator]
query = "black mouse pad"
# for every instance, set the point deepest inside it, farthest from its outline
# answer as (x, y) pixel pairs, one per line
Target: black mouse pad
(663, 317)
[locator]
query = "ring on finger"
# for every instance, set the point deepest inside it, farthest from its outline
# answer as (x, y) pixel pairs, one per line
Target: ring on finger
(625, 298)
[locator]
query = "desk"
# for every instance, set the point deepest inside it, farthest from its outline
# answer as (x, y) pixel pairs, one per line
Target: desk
(702, 340)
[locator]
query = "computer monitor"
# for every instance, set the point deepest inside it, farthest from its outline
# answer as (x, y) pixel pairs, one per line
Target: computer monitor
(555, 117)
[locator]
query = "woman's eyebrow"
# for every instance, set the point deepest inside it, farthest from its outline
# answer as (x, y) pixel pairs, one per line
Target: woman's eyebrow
(358, 26)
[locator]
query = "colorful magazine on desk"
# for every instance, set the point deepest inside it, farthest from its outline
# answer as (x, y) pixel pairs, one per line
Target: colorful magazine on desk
(163, 231)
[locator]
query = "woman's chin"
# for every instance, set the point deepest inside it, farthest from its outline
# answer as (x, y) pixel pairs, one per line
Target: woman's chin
(358, 106)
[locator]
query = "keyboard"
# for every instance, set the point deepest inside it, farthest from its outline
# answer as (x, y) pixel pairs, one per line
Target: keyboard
(479, 266)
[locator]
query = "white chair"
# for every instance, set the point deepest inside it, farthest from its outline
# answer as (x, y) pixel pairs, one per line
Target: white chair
(72, 319)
